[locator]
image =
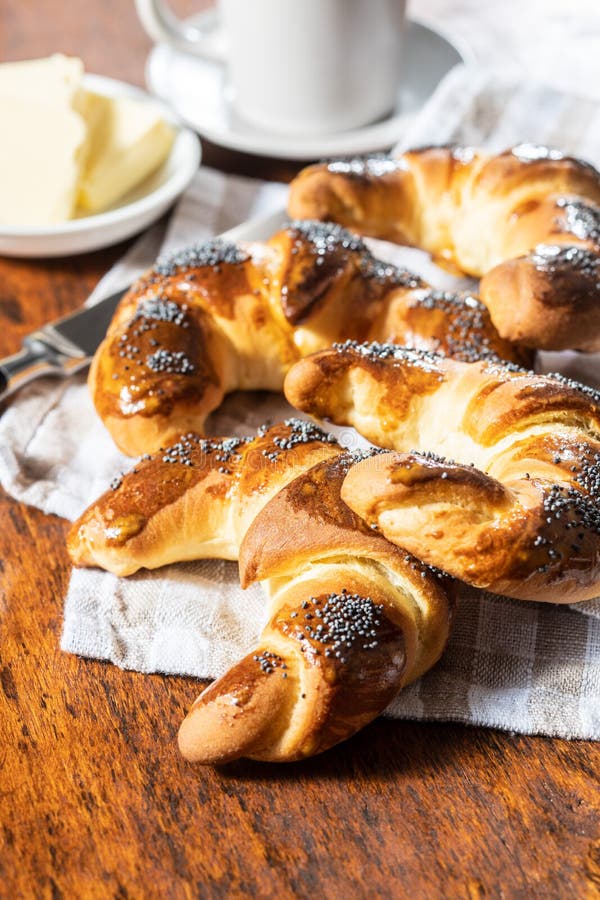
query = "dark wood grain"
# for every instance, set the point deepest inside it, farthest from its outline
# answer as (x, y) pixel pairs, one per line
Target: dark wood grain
(94, 799)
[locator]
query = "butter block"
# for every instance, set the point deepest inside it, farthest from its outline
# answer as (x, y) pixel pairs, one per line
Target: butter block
(42, 151)
(56, 79)
(67, 151)
(44, 139)
(130, 141)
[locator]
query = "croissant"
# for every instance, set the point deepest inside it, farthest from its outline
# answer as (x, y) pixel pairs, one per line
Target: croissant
(220, 317)
(504, 491)
(351, 617)
(527, 220)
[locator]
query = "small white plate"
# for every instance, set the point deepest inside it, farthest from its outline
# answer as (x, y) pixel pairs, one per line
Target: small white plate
(195, 88)
(134, 212)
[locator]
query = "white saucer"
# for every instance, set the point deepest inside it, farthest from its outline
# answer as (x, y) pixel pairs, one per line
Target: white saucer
(194, 87)
(134, 212)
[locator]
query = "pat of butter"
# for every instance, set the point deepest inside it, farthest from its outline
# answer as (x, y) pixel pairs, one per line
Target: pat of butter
(56, 79)
(41, 155)
(44, 140)
(130, 139)
(66, 150)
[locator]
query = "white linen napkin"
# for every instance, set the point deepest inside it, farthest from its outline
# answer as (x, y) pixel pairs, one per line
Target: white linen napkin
(523, 667)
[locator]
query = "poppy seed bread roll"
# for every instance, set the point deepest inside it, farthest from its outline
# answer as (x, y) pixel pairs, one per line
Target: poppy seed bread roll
(351, 618)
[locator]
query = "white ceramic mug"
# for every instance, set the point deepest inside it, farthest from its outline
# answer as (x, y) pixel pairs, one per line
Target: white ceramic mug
(298, 67)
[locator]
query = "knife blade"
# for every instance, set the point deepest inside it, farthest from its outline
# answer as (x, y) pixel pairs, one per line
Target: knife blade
(60, 348)
(67, 345)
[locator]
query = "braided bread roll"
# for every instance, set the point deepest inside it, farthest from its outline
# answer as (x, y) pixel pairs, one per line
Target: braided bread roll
(505, 496)
(351, 617)
(219, 318)
(527, 220)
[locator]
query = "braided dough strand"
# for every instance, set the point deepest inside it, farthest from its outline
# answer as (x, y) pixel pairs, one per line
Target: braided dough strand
(194, 499)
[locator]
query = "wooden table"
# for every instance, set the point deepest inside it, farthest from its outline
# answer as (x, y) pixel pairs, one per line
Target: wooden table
(95, 800)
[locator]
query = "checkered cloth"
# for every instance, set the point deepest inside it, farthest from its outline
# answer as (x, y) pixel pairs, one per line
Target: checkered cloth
(523, 667)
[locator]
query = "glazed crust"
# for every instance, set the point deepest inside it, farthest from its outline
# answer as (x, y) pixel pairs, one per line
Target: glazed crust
(527, 220)
(505, 498)
(554, 297)
(194, 499)
(219, 317)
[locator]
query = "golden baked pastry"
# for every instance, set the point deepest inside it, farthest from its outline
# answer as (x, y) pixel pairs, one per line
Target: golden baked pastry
(527, 220)
(218, 318)
(352, 618)
(502, 489)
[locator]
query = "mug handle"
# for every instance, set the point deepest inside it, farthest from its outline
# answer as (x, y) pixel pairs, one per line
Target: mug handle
(164, 27)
